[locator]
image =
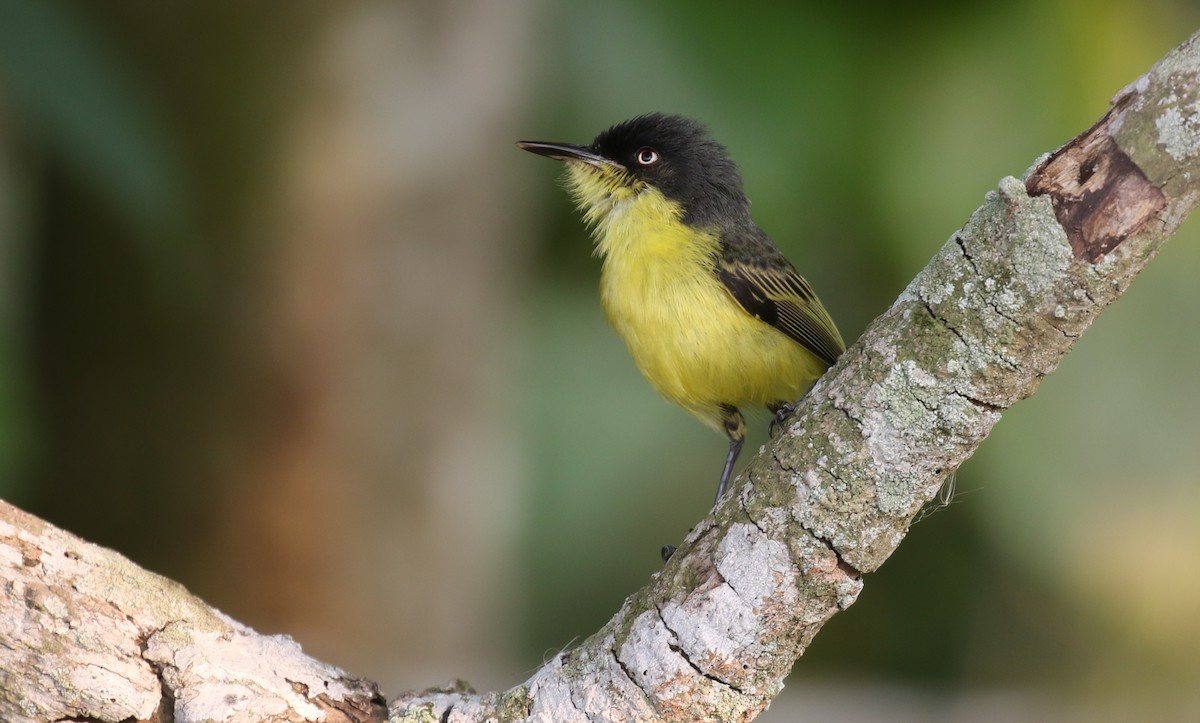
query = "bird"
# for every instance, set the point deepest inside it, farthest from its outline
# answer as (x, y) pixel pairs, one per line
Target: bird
(713, 314)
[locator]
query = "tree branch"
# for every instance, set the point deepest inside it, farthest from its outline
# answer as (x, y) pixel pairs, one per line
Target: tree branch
(713, 635)
(85, 633)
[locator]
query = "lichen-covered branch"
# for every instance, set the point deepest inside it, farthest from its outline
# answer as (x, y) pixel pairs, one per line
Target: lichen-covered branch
(712, 636)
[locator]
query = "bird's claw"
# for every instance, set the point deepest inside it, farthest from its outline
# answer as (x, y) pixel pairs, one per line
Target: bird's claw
(780, 418)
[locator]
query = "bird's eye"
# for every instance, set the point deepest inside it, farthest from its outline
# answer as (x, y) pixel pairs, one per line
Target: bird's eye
(646, 156)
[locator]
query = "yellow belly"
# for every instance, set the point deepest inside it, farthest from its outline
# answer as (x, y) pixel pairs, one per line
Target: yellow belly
(691, 339)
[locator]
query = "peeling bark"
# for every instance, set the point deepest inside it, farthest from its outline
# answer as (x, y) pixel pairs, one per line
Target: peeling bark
(712, 636)
(1099, 194)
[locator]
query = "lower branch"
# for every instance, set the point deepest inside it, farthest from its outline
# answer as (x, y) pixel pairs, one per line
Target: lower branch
(86, 634)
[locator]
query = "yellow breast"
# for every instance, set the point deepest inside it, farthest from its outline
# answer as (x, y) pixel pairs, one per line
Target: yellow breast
(691, 339)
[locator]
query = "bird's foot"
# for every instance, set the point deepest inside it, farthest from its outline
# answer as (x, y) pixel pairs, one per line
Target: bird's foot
(782, 412)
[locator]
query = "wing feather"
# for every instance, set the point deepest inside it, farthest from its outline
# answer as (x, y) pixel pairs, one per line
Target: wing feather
(769, 288)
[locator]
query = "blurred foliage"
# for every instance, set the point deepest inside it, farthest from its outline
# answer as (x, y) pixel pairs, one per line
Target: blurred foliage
(66, 80)
(138, 142)
(129, 301)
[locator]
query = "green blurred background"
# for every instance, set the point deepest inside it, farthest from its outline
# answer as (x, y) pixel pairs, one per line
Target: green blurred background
(284, 315)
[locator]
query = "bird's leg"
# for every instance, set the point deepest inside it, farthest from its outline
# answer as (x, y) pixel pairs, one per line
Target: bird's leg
(735, 429)
(781, 410)
(735, 448)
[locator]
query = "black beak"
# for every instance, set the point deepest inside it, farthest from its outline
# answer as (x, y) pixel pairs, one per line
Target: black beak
(567, 152)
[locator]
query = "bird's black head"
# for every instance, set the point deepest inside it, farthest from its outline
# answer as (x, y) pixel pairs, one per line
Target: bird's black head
(677, 156)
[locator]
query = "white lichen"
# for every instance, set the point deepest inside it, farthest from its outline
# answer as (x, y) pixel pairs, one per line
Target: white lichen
(1179, 132)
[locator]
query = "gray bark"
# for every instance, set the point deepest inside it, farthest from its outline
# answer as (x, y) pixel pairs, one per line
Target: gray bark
(712, 636)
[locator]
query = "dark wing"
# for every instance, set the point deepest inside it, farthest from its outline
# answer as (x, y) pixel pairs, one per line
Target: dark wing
(767, 287)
